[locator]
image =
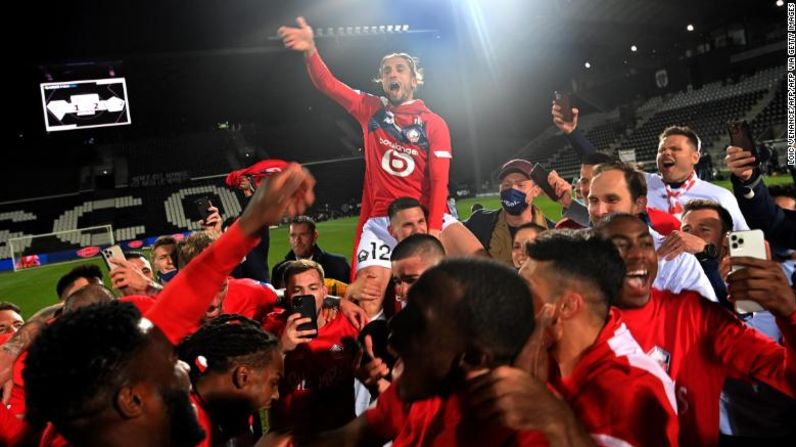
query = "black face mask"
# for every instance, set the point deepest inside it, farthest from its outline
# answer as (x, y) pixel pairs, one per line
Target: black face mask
(185, 428)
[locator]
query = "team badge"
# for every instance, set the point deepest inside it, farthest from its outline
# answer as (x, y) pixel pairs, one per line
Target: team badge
(661, 356)
(362, 256)
(412, 135)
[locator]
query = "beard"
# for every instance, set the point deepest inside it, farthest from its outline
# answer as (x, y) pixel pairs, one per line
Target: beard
(185, 429)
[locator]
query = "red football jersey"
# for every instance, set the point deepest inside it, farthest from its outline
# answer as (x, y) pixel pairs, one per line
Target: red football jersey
(180, 307)
(699, 343)
(12, 429)
(317, 391)
(619, 394)
(407, 147)
(438, 422)
(249, 298)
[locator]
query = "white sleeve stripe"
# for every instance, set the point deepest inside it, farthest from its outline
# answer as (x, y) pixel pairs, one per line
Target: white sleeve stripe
(443, 154)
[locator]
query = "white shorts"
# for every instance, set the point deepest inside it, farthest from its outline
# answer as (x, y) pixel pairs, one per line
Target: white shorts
(376, 244)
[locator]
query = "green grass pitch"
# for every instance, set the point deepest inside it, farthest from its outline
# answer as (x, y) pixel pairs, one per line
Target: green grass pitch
(35, 288)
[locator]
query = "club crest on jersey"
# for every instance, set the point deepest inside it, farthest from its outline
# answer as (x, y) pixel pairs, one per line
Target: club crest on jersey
(362, 256)
(412, 135)
(661, 356)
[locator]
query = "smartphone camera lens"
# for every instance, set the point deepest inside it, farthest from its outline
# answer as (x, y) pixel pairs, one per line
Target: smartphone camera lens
(733, 237)
(734, 245)
(740, 241)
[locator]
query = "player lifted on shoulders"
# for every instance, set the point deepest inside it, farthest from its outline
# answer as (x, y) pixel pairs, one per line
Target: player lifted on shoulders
(407, 153)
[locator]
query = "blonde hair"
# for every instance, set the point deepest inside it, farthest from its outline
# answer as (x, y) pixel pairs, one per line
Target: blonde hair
(413, 62)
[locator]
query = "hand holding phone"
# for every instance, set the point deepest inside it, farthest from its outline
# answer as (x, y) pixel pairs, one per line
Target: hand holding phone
(749, 243)
(539, 175)
(203, 207)
(304, 305)
(112, 252)
(566, 108)
(741, 136)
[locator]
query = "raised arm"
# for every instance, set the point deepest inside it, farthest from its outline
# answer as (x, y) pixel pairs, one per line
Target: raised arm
(183, 302)
(575, 137)
(302, 39)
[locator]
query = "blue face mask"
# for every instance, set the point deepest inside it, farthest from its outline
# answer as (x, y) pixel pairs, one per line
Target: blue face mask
(166, 277)
(513, 201)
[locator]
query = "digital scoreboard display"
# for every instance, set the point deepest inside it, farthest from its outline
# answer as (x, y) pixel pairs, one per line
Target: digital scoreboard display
(84, 104)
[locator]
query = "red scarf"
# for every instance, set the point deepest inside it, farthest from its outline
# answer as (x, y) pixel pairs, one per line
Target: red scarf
(674, 196)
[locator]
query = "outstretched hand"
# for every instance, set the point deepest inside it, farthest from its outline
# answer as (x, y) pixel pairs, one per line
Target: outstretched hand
(299, 38)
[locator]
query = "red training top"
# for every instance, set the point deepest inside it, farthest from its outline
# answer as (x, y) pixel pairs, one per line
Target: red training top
(317, 392)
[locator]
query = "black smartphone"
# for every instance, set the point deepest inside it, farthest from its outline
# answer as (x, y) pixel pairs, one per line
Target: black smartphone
(305, 306)
(562, 99)
(741, 136)
(353, 346)
(539, 176)
(202, 205)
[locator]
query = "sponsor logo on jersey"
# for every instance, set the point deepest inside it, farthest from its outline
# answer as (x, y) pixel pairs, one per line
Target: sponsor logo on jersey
(397, 147)
(661, 356)
(397, 163)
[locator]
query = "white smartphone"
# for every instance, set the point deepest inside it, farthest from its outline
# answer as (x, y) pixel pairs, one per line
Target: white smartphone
(115, 252)
(752, 244)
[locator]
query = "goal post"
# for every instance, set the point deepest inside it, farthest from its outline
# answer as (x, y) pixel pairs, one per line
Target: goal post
(59, 246)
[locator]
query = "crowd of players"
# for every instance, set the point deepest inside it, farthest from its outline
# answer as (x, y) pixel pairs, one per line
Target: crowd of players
(617, 323)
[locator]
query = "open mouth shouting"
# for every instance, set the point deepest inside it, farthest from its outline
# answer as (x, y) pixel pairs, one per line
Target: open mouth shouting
(667, 164)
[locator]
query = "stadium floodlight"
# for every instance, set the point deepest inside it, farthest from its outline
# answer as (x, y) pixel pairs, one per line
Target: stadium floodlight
(633, 48)
(347, 31)
(780, 3)
(689, 27)
(587, 65)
